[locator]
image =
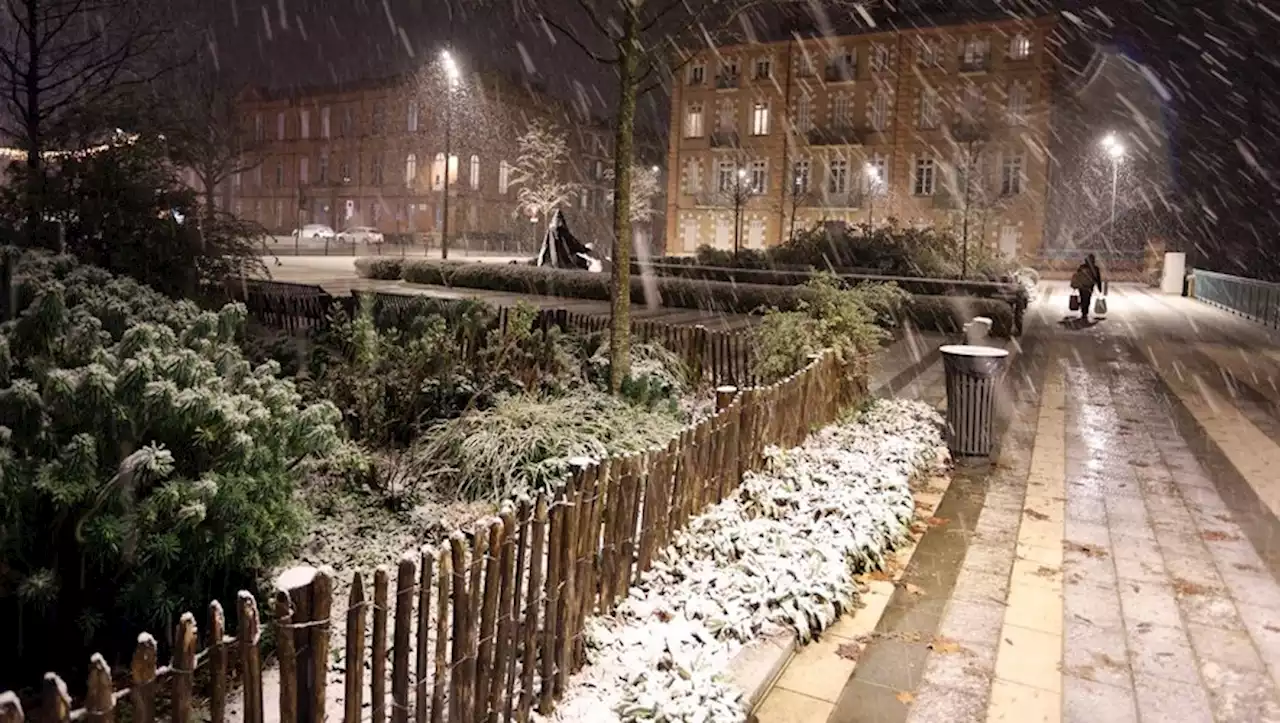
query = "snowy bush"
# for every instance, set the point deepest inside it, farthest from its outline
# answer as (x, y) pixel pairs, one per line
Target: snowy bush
(783, 552)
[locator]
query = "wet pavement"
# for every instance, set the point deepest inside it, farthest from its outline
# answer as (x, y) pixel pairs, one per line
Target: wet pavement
(1118, 558)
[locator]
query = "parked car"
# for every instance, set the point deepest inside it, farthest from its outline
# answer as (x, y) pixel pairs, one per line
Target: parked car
(361, 235)
(316, 231)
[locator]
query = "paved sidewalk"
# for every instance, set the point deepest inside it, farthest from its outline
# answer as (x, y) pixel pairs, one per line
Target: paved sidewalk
(1122, 566)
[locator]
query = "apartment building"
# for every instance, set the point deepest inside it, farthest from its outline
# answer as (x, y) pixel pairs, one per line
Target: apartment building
(945, 126)
(373, 154)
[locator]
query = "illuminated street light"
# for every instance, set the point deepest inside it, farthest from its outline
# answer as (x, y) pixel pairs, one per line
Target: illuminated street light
(451, 80)
(1115, 150)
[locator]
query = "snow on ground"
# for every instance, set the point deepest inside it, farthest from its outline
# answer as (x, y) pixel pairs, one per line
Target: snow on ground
(784, 552)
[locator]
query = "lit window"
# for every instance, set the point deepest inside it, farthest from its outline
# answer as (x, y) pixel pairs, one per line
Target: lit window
(838, 176)
(923, 183)
(1020, 47)
(693, 125)
(760, 118)
(474, 175)
(800, 175)
(504, 176)
(1011, 175)
(759, 176)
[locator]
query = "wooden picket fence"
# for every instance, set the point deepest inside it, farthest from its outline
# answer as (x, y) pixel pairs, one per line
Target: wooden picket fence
(485, 628)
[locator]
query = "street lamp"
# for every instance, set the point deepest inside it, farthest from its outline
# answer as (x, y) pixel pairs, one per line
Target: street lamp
(1115, 150)
(873, 184)
(738, 198)
(451, 75)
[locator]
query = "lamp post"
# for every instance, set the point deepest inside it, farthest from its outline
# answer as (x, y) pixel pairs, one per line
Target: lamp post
(1115, 150)
(738, 198)
(451, 82)
(873, 184)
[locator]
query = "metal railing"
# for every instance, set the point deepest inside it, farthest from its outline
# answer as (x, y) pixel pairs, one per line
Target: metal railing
(1254, 300)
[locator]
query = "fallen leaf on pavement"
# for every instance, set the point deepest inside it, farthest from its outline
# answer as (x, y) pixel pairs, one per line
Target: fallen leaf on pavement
(905, 698)
(849, 651)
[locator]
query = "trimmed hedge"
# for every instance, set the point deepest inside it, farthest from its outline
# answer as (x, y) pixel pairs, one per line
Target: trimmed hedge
(941, 313)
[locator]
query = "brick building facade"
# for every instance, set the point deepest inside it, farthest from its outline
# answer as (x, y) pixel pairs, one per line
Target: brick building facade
(372, 154)
(946, 126)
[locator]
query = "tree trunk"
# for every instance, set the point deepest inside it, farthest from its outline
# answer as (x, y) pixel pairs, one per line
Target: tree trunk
(620, 286)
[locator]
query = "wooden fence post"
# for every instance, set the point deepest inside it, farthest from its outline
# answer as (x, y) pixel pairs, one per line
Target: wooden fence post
(309, 593)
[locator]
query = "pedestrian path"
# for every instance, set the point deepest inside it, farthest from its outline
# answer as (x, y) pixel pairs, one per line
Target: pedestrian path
(1118, 560)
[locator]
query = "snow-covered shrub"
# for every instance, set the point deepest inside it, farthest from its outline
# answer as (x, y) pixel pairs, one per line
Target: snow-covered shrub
(783, 552)
(525, 443)
(145, 465)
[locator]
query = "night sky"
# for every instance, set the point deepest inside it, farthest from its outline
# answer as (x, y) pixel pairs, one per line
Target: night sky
(1212, 59)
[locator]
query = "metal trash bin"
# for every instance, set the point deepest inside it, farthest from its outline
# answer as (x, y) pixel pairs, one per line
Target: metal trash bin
(972, 373)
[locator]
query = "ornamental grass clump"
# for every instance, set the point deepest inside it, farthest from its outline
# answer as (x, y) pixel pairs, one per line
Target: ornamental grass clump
(145, 466)
(526, 443)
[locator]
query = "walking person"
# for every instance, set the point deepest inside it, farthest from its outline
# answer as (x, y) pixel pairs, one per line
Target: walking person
(1087, 278)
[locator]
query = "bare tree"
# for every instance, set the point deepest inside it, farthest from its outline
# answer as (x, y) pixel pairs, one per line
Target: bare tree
(538, 176)
(63, 61)
(206, 133)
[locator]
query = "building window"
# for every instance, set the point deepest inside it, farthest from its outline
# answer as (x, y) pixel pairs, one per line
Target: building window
(322, 169)
(842, 110)
(800, 176)
(693, 126)
(724, 177)
(375, 168)
(760, 118)
(474, 175)
(691, 176)
(379, 117)
(348, 121)
(804, 64)
(412, 122)
(973, 56)
(303, 162)
(1019, 102)
(1011, 174)
(804, 113)
(759, 176)
(1019, 47)
(764, 68)
(877, 175)
(410, 169)
(930, 111)
(304, 123)
(324, 122)
(504, 176)
(280, 126)
(923, 183)
(257, 127)
(697, 74)
(837, 176)
(928, 54)
(879, 57)
(279, 174)
(880, 110)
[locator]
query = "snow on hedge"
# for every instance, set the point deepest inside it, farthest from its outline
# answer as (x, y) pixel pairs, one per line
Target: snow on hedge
(783, 552)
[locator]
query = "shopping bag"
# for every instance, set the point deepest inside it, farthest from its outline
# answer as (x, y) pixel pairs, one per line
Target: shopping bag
(1074, 304)
(1100, 306)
